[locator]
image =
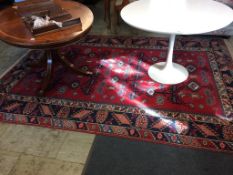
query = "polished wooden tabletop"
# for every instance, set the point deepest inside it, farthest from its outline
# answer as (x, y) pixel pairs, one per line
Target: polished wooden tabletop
(13, 30)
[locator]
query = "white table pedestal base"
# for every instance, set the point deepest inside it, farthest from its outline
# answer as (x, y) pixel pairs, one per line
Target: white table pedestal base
(168, 72)
(172, 75)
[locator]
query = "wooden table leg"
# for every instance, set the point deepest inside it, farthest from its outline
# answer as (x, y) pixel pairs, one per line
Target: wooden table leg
(109, 14)
(51, 55)
(113, 16)
(71, 66)
(47, 78)
(40, 59)
(106, 10)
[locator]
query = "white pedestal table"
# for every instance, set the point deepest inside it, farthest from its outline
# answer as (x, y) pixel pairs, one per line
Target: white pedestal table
(175, 17)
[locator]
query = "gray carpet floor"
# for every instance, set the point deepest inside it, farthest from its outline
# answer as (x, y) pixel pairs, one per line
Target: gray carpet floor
(114, 156)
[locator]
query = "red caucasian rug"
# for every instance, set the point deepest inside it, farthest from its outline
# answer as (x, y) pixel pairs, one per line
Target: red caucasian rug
(121, 100)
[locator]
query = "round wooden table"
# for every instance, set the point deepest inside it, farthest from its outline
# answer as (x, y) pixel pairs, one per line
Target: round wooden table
(14, 32)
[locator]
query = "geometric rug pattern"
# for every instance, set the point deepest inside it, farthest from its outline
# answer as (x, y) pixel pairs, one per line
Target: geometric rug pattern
(121, 100)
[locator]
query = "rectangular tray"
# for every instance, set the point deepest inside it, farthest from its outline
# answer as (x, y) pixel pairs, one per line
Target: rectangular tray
(41, 8)
(44, 8)
(52, 27)
(26, 9)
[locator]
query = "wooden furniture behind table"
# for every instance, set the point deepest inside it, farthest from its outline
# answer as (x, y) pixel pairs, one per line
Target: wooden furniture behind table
(14, 32)
(112, 10)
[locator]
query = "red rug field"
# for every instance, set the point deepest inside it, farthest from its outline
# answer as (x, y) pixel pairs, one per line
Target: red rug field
(121, 100)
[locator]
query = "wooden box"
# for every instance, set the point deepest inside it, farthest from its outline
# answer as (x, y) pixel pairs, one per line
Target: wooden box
(43, 8)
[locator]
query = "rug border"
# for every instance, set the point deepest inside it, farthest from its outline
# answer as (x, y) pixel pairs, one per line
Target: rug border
(125, 137)
(101, 132)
